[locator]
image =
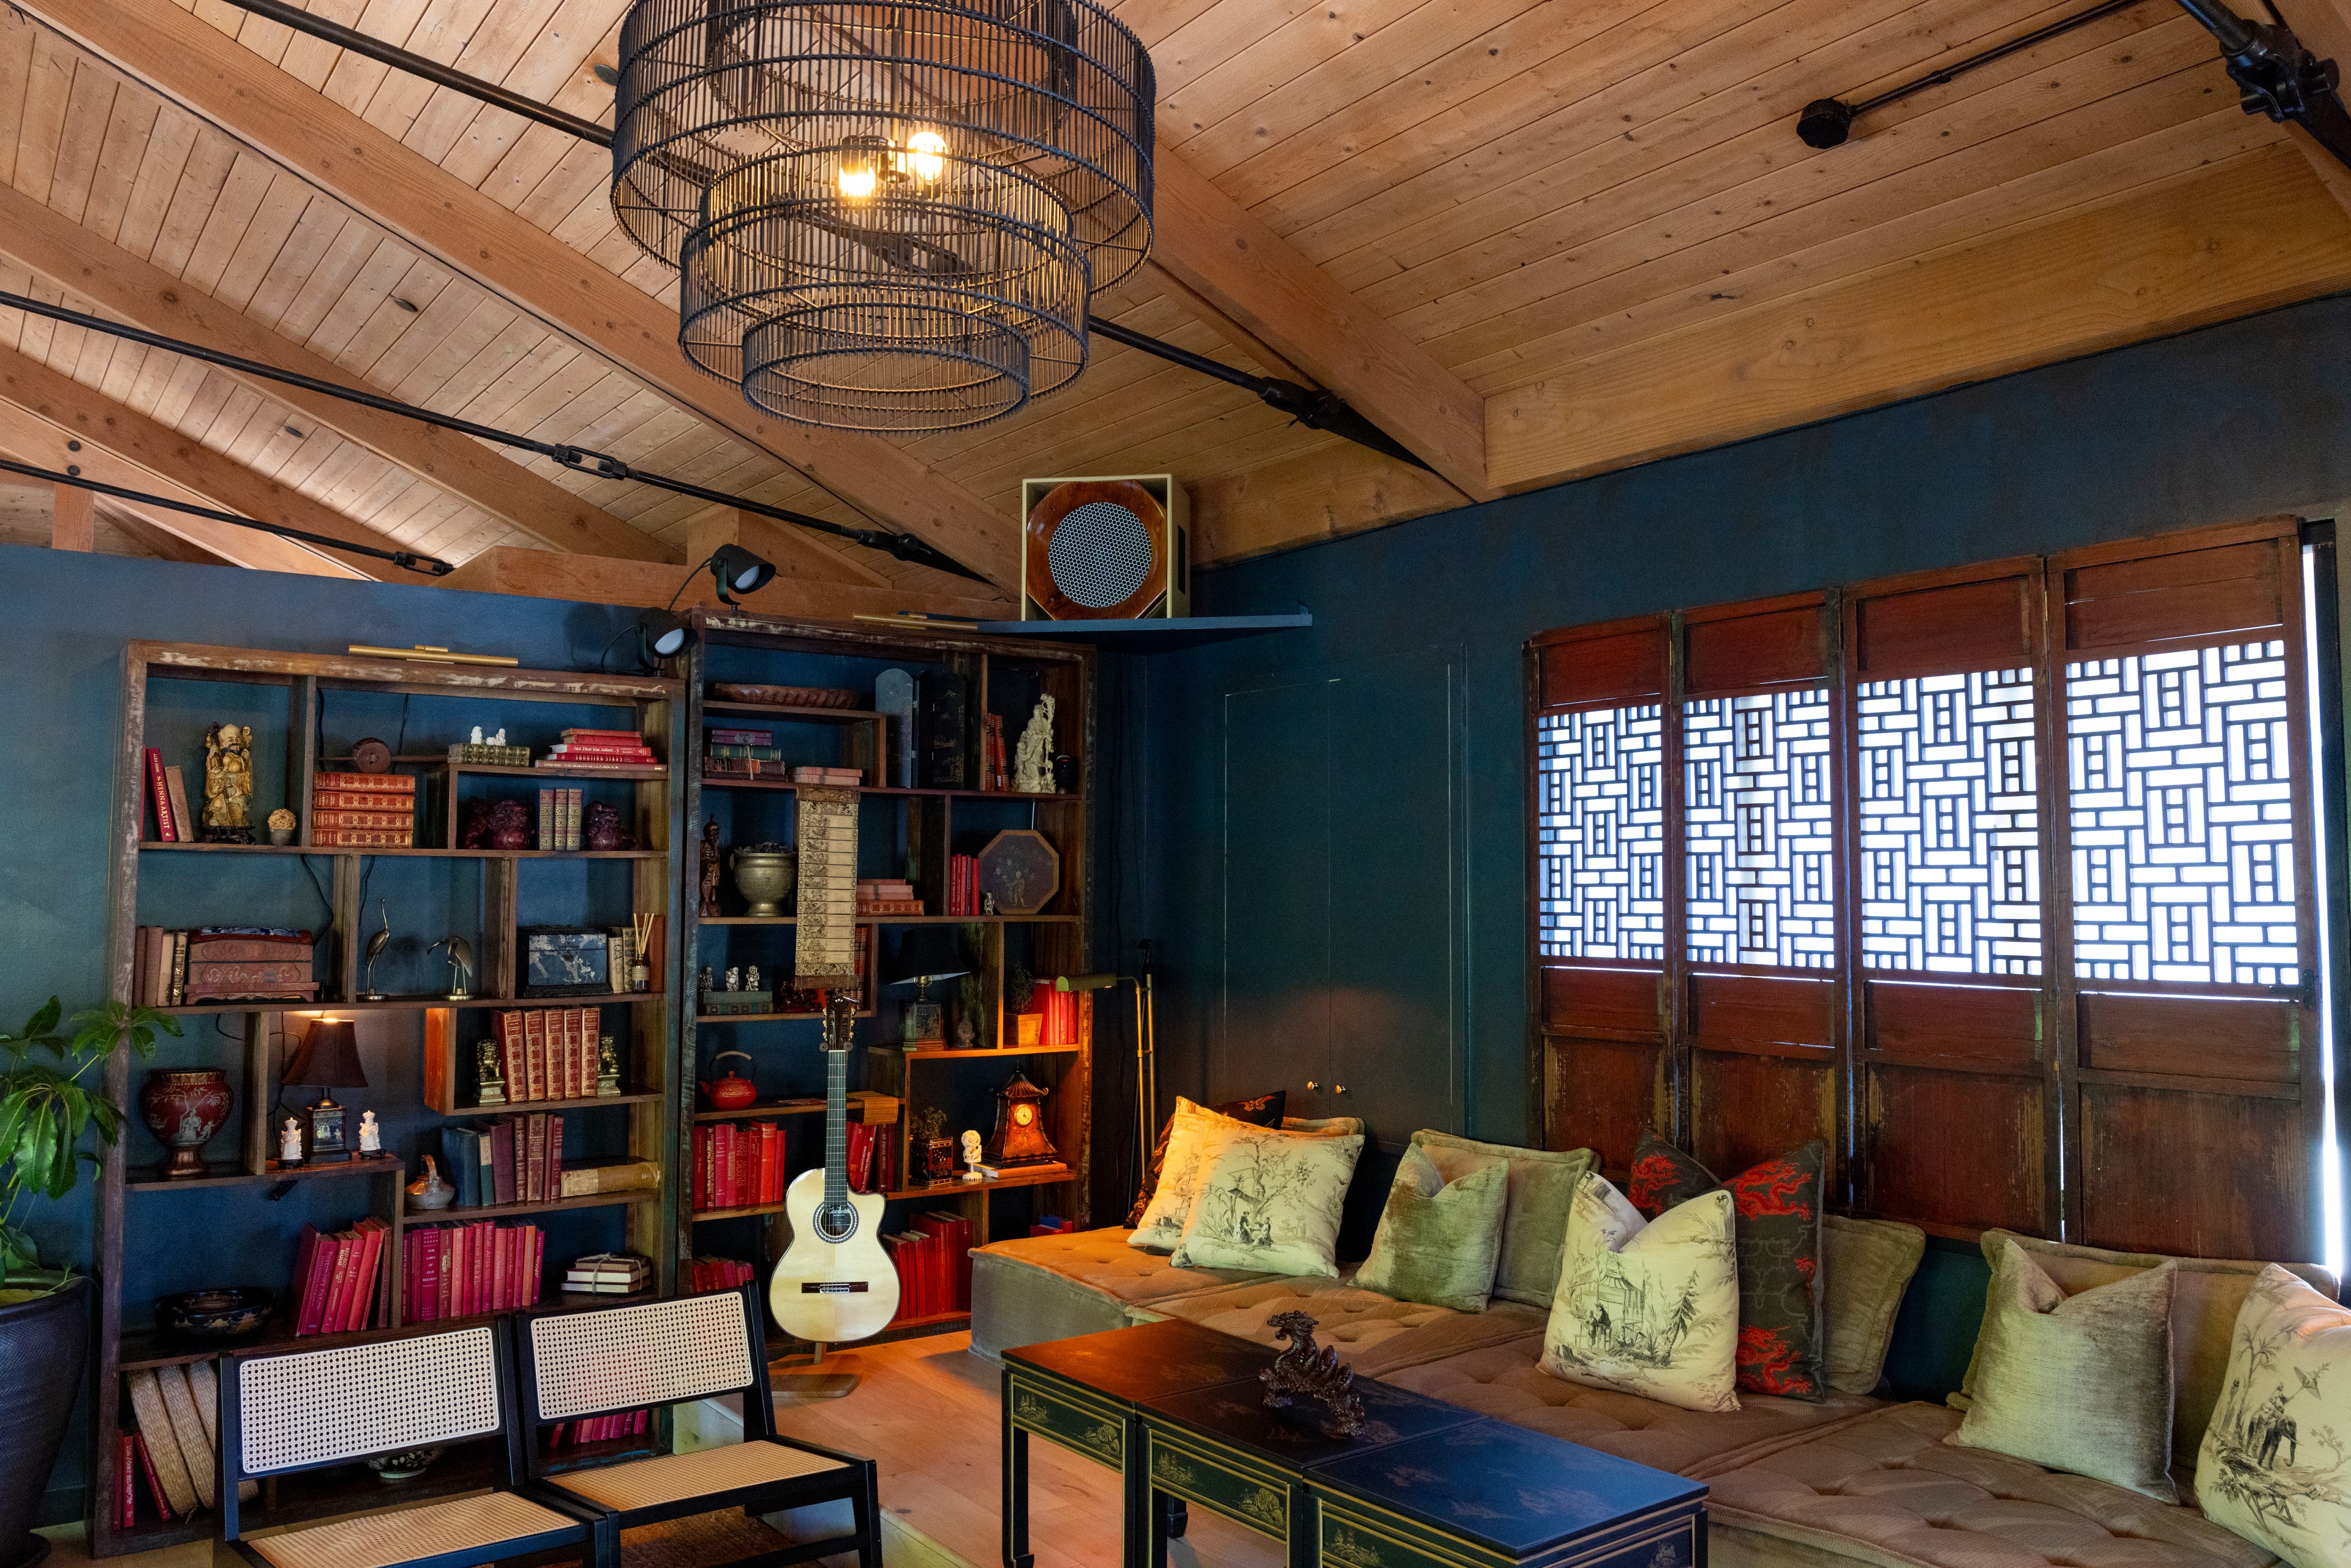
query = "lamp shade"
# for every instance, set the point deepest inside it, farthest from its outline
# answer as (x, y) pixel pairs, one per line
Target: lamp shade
(927, 953)
(328, 1057)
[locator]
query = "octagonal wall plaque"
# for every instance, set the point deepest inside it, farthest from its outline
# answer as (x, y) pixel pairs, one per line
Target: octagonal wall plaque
(1021, 869)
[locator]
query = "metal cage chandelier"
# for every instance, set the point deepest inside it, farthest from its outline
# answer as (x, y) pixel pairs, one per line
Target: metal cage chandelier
(885, 217)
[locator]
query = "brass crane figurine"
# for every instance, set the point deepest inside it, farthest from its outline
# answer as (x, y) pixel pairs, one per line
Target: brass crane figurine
(374, 950)
(461, 967)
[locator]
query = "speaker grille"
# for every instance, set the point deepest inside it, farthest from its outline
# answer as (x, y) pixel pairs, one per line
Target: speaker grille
(1100, 554)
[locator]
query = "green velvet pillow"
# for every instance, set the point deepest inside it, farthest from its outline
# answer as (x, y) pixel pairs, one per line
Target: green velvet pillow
(1544, 1184)
(2077, 1382)
(1440, 1235)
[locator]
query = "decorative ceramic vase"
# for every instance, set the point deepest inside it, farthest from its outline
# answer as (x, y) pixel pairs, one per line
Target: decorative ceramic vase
(184, 1110)
(42, 1344)
(766, 878)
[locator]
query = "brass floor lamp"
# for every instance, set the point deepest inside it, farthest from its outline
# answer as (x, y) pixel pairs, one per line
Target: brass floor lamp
(1146, 1061)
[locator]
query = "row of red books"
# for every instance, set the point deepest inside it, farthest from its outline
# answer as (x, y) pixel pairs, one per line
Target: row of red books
(600, 749)
(459, 1271)
(599, 1429)
(932, 1257)
(704, 1275)
(1060, 1012)
(363, 810)
(548, 1053)
(963, 885)
(336, 1279)
(991, 761)
(167, 797)
(737, 1164)
(887, 895)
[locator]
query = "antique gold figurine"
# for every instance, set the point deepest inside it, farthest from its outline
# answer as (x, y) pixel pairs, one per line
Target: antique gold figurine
(228, 784)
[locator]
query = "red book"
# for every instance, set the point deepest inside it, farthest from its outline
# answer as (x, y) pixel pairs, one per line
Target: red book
(722, 1143)
(510, 1051)
(485, 1240)
(538, 1263)
(309, 1282)
(461, 1269)
(158, 796)
(701, 1168)
(534, 1053)
(554, 1156)
(125, 1484)
(339, 1290)
(440, 1257)
(154, 1481)
(370, 1233)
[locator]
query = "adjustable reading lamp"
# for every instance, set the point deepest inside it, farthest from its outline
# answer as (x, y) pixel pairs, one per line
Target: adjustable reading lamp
(1146, 1068)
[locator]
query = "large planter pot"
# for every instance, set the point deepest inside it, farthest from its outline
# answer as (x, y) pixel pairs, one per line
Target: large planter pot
(42, 1343)
(185, 1110)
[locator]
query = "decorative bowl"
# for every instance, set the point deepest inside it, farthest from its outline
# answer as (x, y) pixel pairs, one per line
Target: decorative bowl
(784, 696)
(765, 875)
(404, 1465)
(214, 1317)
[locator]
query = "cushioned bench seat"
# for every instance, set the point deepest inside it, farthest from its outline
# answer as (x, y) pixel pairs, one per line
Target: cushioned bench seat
(1883, 1489)
(1037, 1288)
(1374, 1334)
(1502, 1381)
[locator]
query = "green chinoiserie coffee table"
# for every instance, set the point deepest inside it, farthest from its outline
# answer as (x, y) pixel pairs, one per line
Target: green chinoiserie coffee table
(1087, 1395)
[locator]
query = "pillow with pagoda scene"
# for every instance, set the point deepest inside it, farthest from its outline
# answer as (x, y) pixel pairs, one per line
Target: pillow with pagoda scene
(1270, 1201)
(1647, 1307)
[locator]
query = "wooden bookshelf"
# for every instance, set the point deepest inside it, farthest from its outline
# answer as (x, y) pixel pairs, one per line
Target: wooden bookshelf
(287, 758)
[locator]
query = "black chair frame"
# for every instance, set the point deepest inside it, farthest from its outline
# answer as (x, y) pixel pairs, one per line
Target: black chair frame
(593, 1534)
(857, 1482)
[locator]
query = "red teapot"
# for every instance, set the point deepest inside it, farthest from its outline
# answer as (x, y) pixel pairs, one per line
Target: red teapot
(734, 1092)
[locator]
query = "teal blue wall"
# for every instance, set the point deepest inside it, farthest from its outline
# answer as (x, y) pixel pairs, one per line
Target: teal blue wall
(1337, 817)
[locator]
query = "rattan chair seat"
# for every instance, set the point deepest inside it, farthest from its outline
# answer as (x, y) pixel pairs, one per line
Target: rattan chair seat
(381, 1540)
(675, 1477)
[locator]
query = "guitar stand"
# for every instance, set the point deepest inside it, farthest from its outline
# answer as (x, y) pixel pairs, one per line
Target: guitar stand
(802, 1380)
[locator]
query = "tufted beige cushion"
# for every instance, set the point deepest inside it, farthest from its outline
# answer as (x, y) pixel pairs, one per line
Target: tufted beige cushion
(1040, 1288)
(1885, 1489)
(1374, 1333)
(1501, 1381)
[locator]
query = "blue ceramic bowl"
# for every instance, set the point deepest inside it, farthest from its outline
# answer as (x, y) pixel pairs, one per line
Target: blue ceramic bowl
(214, 1317)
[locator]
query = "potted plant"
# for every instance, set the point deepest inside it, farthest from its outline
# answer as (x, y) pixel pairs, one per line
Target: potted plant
(47, 1105)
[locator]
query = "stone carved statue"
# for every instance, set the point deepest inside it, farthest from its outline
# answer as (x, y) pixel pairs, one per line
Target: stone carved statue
(971, 1157)
(710, 870)
(228, 784)
(1032, 758)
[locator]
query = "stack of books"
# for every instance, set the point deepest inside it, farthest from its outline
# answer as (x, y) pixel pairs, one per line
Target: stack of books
(480, 754)
(932, 1257)
(559, 819)
(738, 1165)
(220, 963)
(335, 1278)
(704, 1275)
(504, 1159)
(459, 1271)
(743, 754)
(168, 1452)
(167, 797)
(876, 1127)
(608, 1274)
(1060, 1010)
(887, 896)
(598, 1430)
(849, 777)
(991, 763)
(599, 750)
(363, 810)
(549, 1053)
(963, 885)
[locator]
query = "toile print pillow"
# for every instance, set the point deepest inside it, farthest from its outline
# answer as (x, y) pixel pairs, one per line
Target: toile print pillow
(1782, 1340)
(1265, 1111)
(2274, 1467)
(1270, 1201)
(1194, 1139)
(1647, 1307)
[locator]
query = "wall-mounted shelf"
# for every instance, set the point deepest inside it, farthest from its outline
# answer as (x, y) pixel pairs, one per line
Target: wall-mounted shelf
(1157, 635)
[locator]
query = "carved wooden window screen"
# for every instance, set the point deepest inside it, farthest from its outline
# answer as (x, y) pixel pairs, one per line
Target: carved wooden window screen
(1997, 878)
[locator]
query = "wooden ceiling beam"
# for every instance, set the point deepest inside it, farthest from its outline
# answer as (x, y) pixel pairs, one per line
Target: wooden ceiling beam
(545, 574)
(135, 291)
(32, 439)
(73, 518)
(1211, 246)
(172, 464)
(157, 541)
(2256, 233)
(220, 80)
(1335, 489)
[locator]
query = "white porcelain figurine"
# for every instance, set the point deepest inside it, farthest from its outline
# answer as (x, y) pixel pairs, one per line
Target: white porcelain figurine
(289, 1144)
(477, 735)
(499, 739)
(971, 1157)
(370, 1135)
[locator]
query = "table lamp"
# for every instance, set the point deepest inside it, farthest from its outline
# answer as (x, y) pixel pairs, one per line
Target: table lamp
(927, 953)
(328, 1058)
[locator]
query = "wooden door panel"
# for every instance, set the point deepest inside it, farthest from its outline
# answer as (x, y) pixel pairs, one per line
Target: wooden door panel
(1615, 1003)
(2190, 593)
(2197, 1037)
(1739, 652)
(1621, 668)
(1937, 630)
(1745, 1108)
(1600, 1093)
(1931, 1024)
(1959, 1151)
(2209, 1176)
(1728, 1010)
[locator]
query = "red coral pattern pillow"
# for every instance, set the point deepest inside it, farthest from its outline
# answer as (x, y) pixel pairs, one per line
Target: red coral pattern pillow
(1778, 1203)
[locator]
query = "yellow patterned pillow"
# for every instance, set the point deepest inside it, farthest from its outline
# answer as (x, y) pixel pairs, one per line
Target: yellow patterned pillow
(1650, 1308)
(2273, 1468)
(1195, 1138)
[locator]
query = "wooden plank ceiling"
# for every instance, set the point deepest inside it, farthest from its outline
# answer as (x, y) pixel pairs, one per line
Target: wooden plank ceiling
(1530, 199)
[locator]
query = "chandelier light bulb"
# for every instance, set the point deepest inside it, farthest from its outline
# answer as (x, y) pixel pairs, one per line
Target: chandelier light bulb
(926, 155)
(856, 175)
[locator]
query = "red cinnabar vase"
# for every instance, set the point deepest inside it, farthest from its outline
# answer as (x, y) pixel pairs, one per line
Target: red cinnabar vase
(184, 1110)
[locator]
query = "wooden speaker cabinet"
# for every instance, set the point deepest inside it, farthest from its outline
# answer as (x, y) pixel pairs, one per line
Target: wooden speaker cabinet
(1112, 548)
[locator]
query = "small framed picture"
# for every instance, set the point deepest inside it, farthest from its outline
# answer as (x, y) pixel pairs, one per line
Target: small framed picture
(565, 961)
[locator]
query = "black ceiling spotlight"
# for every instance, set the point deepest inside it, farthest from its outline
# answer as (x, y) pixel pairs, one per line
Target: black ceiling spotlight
(666, 633)
(737, 570)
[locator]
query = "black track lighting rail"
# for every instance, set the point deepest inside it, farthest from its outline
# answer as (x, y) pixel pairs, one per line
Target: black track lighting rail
(1314, 407)
(579, 459)
(430, 565)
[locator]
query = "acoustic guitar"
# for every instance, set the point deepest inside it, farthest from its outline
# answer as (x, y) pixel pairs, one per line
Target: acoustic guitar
(835, 1281)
